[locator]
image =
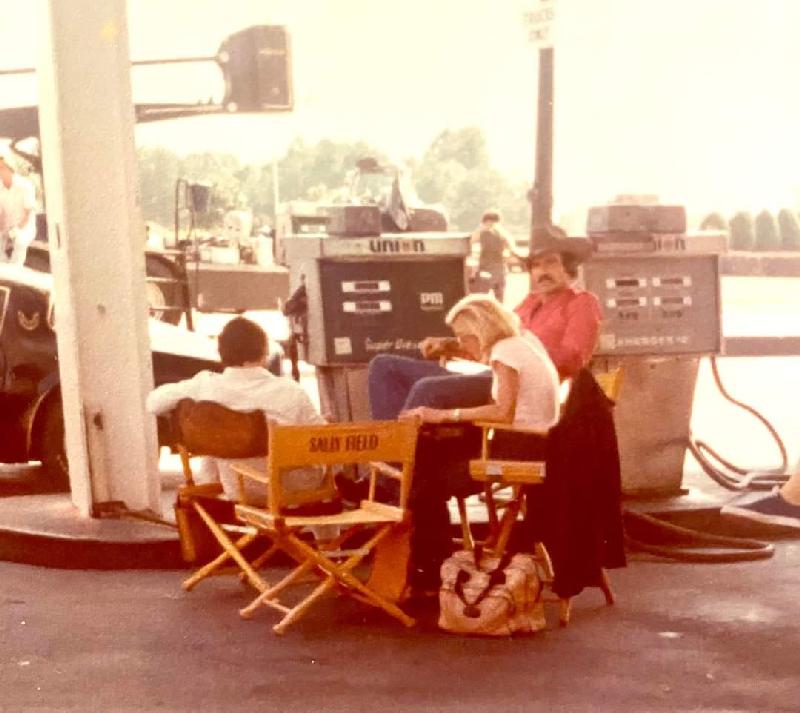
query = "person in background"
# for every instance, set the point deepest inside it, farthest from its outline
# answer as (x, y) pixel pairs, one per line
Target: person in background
(17, 212)
(244, 385)
(523, 392)
(565, 318)
(493, 240)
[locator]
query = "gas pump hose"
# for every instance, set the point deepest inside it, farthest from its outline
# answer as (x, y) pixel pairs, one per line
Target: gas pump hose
(688, 545)
(733, 477)
(653, 535)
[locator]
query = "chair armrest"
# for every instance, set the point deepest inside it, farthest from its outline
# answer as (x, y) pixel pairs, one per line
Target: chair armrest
(386, 469)
(501, 426)
(249, 471)
(199, 490)
(508, 472)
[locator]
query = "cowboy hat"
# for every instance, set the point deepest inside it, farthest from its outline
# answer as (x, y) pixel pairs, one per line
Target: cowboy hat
(579, 248)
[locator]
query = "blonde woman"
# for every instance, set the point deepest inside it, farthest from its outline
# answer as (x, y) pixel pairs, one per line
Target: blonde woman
(524, 393)
(524, 381)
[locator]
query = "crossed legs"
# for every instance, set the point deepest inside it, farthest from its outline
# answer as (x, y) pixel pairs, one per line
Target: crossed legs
(398, 382)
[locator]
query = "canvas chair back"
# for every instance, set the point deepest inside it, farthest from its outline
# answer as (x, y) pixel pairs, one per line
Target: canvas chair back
(206, 428)
(386, 448)
(341, 444)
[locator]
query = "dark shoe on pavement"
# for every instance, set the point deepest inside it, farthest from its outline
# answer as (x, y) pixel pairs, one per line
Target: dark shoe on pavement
(769, 509)
(354, 491)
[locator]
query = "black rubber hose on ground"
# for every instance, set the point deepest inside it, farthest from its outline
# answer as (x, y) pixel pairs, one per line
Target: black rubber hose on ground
(691, 545)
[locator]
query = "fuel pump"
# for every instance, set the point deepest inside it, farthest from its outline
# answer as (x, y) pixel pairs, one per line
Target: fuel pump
(661, 310)
(364, 293)
(661, 313)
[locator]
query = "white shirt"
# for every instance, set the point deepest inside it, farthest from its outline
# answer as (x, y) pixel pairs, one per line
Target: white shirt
(15, 200)
(244, 388)
(241, 388)
(538, 399)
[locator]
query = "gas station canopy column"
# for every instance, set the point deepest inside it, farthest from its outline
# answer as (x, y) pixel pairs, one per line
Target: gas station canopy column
(96, 236)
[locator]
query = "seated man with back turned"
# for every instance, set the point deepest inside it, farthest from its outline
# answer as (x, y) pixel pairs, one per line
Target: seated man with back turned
(244, 385)
(564, 318)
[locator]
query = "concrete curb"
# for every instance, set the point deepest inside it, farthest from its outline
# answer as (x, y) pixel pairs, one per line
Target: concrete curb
(45, 530)
(71, 553)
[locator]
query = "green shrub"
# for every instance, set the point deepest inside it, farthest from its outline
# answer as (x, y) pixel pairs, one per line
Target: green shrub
(743, 236)
(767, 237)
(789, 229)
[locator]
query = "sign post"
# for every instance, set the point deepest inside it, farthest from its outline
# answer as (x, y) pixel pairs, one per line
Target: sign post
(539, 23)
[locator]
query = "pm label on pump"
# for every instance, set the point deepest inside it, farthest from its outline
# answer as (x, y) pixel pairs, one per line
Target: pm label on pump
(431, 301)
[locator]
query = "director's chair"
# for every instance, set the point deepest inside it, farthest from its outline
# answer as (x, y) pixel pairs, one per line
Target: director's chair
(512, 478)
(206, 520)
(376, 443)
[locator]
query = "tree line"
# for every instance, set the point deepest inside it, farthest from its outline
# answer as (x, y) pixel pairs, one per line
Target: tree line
(454, 172)
(764, 232)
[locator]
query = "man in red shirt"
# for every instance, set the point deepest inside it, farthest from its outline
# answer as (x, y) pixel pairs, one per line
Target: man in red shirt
(564, 318)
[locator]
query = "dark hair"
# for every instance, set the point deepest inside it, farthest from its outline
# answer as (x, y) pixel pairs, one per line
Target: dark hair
(242, 341)
(569, 260)
(491, 215)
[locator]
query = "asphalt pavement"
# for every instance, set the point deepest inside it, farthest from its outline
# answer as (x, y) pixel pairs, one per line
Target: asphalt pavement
(681, 637)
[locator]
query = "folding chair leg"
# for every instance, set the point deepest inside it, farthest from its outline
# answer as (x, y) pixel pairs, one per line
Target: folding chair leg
(259, 561)
(565, 610)
(270, 593)
(343, 574)
(491, 508)
(543, 556)
(466, 533)
(301, 608)
(208, 568)
(378, 601)
(605, 586)
(510, 514)
(232, 550)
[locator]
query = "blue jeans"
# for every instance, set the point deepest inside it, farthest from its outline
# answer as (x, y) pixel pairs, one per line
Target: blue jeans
(398, 382)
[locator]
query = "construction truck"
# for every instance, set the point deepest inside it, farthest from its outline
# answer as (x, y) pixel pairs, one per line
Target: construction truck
(370, 183)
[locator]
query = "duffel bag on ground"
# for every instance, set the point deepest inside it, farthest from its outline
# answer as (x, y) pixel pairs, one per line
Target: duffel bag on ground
(490, 596)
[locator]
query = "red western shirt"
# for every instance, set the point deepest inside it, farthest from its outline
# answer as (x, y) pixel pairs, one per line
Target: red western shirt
(567, 323)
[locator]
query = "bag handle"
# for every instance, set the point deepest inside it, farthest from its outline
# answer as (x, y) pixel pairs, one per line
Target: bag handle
(497, 576)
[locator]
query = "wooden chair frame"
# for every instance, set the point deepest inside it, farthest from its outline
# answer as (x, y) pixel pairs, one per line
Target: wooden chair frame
(204, 428)
(498, 474)
(376, 443)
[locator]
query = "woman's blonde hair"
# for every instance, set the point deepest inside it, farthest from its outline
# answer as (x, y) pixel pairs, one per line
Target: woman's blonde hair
(484, 317)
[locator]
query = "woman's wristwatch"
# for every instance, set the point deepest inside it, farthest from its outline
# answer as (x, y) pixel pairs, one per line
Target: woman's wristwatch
(456, 414)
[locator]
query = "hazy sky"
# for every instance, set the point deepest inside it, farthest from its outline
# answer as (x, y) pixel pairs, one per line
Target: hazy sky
(693, 100)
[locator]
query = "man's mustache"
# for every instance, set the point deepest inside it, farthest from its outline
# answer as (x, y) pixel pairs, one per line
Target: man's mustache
(544, 278)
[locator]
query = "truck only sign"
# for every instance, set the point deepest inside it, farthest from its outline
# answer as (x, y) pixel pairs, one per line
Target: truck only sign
(539, 23)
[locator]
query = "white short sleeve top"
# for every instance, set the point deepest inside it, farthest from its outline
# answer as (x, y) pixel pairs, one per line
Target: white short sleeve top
(538, 400)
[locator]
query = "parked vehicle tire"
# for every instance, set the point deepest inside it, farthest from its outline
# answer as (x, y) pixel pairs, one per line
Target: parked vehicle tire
(161, 294)
(51, 448)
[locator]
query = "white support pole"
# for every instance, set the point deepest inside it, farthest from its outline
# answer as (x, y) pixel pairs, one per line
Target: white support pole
(97, 236)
